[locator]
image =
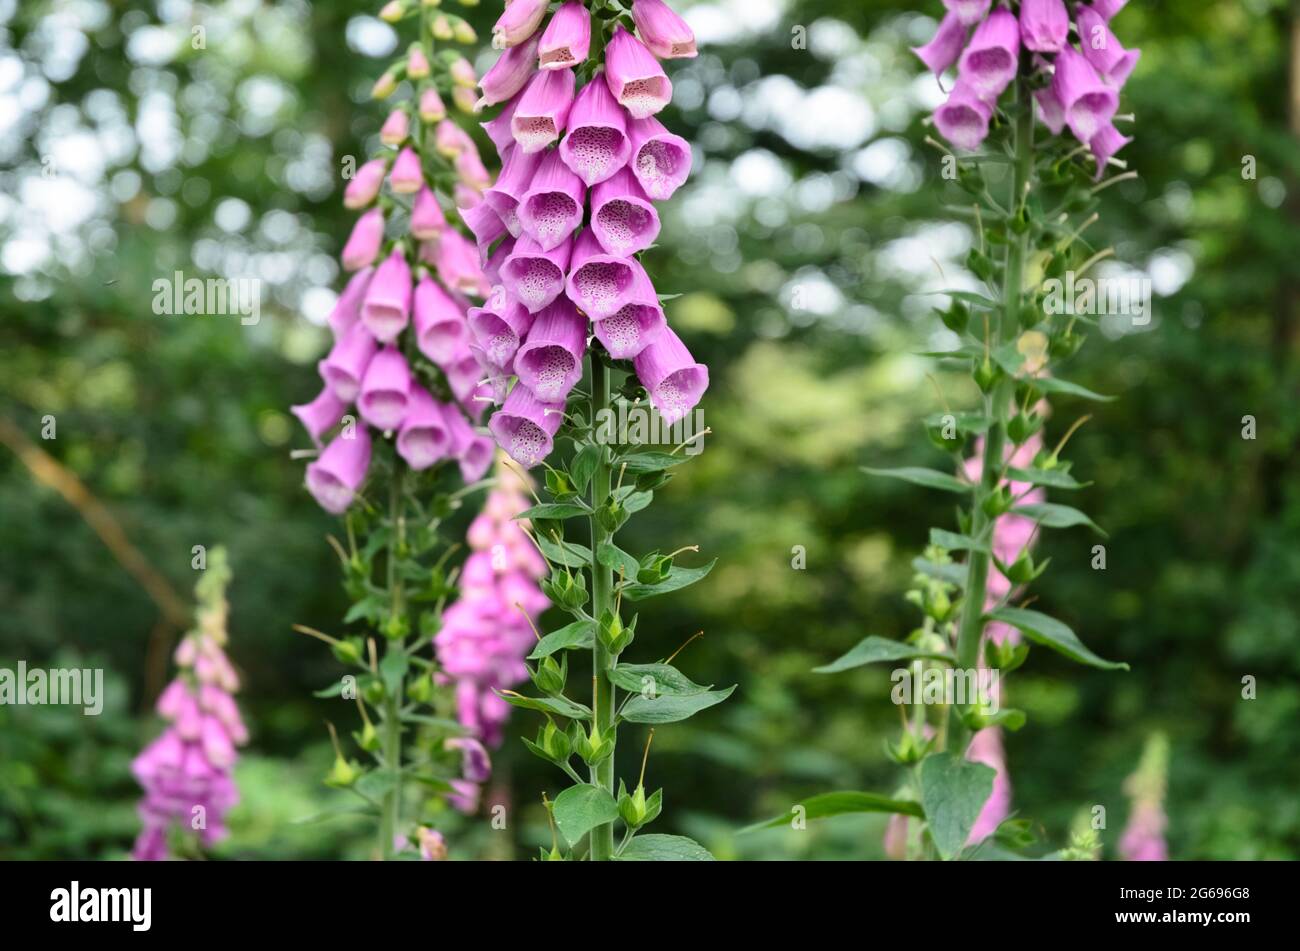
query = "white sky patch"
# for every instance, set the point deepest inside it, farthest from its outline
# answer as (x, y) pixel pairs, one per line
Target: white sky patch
(729, 21)
(887, 163)
(827, 117)
(759, 173)
(1170, 269)
(370, 36)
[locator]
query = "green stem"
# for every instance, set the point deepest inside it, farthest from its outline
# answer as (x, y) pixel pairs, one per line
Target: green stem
(971, 625)
(391, 815)
(602, 594)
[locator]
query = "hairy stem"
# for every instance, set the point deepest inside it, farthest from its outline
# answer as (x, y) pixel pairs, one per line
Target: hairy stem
(602, 589)
(999, 402)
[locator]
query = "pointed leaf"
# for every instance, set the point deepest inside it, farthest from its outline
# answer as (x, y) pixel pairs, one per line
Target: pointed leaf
(1048, 631)
(877, 650)
(1052, 478)
(953, 791)
(666, 680)
(677, 579)
(558, 510)
(830, 804)
(671, 709)
(929, 478)
(579, 634)
(1051, 515)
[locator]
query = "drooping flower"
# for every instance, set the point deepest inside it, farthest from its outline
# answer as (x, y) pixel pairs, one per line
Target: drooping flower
(363, 244)
(1088, 102)
(345, 364)
(989, 63)
(387, 306)
(533, 275)
(671, 375)
(1044, 25)
(543, 109)
(424, 437)
(623, 218)
(969, 12)
(334, 478)
(567, 38)
(635, 77)
(525, 426)
(549, 362)
(551, 209)
(428, 220)
(321, 414)
(660, 160)
(662, 31)
(964, 118)
(1102, 49)
(946, 46)
(365, 184)
(518, 22)
(406, 177)
(597, 144)
(385, 391)
(509, 74)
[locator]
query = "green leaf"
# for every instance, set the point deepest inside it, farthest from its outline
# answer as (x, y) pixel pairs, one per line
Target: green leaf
(974, 298)
(677, 579)
(664, 848)
(875, 650)
(579, 634)
(640, 462)
(393, 668)
(1051, 384)
(1052, 515)
(667, 681)
(377, 783)
(581, 808)
(1048, 631)
(333, 690)
(559, 706)
(1052, 478)
(951, 572)
(569, 554)
(337, 813)
(929, 478)
(637, 501)
(954, 542)
(826, 805)
(953, 791)
(616, 559)
(965, 422)
(671, 709)
(583, 466)
(559, 510)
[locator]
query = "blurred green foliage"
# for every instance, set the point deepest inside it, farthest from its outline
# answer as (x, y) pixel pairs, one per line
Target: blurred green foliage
(814, 224)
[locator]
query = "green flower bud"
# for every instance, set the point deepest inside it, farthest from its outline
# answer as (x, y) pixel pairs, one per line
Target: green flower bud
(368, 738)
(986, 375)
(348, 651)
(343, 774)
(550, 676)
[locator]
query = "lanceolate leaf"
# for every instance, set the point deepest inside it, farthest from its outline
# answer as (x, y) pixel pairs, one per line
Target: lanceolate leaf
(1048, 631)
(664, 848)
(951, 572)
(954, 542)
(617, 560)
(678, 578)
(929, 478)
(659, 679)
(876, 650)
(826, 805)
(1051, 515)
(577, 634)
(1052, 478)
(559, 510)
(1050, 384)
(671, 709)
(953, 791)
(559, 706)
(570, 554)
(641, 462)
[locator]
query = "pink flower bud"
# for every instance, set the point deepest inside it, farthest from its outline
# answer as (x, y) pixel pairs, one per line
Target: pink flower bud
(662, 31)
(635, 77)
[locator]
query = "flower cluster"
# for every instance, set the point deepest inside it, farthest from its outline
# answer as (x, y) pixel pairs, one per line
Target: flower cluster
(595, 156)
(1084, 85)
(1144, 835)
(406, 299)
(186, 772)
(486, 634)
